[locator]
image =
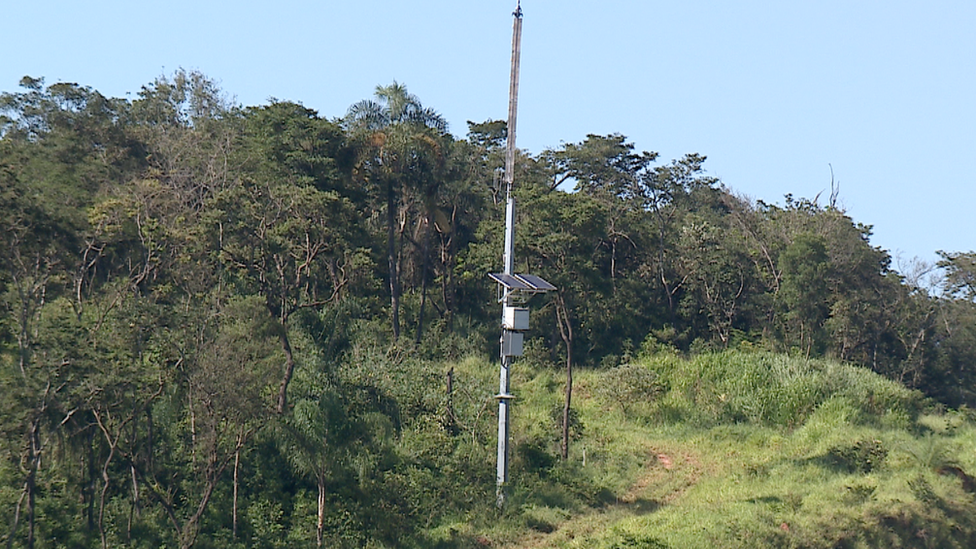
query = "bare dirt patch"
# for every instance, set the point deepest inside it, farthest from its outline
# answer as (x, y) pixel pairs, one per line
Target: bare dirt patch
(671, 471)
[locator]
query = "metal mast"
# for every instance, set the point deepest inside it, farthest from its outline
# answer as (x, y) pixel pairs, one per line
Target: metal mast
(507, 353)
(515, 289)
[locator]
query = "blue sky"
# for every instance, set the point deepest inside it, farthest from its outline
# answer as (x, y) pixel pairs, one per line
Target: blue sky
(773, 92)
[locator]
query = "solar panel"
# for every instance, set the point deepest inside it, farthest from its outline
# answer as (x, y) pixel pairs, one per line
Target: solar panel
(535, 282)
(510, 282)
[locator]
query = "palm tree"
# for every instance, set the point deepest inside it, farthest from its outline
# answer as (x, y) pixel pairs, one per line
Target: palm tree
(399, 144)
(315, 438)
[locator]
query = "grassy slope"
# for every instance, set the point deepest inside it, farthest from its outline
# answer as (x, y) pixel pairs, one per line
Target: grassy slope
(735, 449)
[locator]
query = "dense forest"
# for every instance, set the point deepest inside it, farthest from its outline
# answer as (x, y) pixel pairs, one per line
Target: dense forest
(227, 326)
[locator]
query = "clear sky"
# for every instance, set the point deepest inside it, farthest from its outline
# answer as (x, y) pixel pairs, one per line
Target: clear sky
(773, 92)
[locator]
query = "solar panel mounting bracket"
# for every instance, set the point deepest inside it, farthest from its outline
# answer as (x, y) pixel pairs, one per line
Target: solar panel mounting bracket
(521, 285)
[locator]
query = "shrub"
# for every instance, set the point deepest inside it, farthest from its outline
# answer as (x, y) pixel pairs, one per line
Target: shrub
(861, 456)
(628, 385)
(734, 386)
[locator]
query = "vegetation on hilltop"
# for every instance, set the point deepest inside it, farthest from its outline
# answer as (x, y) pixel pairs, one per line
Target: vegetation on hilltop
(227, 326)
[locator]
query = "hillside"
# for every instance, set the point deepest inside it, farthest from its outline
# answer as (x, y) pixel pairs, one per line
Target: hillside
(227, 326)
(736, 449)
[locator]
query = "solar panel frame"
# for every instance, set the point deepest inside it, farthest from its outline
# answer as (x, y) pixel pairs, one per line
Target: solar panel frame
(536, 282)
(510, 282)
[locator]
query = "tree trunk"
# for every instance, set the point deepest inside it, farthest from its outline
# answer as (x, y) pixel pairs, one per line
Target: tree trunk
(566, 332)
(568, 403)
(88, 490)
(190, 530)
(134, 510)
(391, 259)
(193, 423)
(668, 291)
(448, 284)
(237, 465)
(289, 369)
(452, 423)
(30, 513)
(35, 451)
(106, 482)
(425, 250)
(320, 523)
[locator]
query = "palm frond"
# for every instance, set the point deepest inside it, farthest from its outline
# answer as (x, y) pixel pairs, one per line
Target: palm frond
(367, 115)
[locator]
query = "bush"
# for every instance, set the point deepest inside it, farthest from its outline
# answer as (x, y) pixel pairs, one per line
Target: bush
(861, 456)
(734, 386)
(630, 385)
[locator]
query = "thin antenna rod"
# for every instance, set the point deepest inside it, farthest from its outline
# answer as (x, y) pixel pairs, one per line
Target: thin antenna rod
(513, 97)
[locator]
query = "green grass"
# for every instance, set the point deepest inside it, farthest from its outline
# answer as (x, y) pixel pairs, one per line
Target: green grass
(728, 449)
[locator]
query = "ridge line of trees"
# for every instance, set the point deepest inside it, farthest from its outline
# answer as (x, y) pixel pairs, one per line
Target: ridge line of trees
(193, 291)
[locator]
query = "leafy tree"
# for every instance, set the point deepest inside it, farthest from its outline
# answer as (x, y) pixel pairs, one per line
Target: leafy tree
(400, 149)
(557, 236)
(58, 145)
(190, 133)
(960, 274)
(227, 362)
(290, 237)
(802, 294)
(321, 437)
(180, 274)
(668, 193)
(953, 336)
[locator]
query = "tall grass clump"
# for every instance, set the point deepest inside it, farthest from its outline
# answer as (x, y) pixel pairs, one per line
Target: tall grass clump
(735, 386)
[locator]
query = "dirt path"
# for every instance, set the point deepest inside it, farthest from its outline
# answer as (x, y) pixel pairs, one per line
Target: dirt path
(670, 473)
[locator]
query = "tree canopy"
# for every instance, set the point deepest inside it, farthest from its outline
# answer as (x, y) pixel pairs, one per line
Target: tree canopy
(203, 306)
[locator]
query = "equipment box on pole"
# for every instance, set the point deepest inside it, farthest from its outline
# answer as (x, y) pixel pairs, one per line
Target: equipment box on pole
(516, 318)
(511, 343)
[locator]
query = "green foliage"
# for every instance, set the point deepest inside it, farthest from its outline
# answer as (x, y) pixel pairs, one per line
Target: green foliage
(776, 389)
(842, 474)
(861, 456)
(630, 386)
(803, 293)
(629, 540)
(202, 309)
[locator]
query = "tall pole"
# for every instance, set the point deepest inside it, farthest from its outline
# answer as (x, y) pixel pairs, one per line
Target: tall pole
(504, 397)
(513, 97)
